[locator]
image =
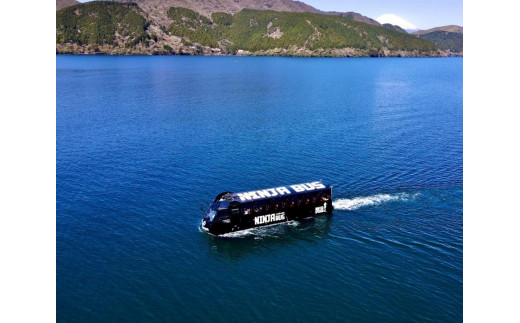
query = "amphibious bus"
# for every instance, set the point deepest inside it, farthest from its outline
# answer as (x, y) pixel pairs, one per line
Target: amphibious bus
(232, 212)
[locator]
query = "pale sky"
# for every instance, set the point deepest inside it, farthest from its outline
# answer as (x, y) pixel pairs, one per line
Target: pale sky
(422, 14)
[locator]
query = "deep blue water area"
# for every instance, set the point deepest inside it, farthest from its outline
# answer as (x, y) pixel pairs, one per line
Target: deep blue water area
(142, 141)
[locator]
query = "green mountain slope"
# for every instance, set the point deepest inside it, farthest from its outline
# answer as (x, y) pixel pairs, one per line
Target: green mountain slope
(116, 28)
(258, 30)
(101, 23)
(445, 40)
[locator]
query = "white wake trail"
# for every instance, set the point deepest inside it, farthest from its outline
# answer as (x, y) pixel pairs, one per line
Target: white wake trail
(358, 202)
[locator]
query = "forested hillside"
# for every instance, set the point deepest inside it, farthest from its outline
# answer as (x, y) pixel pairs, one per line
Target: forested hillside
(445, 40)
(123, 28)
(101, 23)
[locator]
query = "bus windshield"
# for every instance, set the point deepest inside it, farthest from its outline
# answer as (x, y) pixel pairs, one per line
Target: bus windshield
(211, 214)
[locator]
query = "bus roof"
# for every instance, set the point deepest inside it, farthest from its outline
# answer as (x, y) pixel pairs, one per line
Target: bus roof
(275, 192)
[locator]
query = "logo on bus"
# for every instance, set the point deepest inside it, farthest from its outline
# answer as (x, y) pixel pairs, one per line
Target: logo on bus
(321, 209)
(268, 218)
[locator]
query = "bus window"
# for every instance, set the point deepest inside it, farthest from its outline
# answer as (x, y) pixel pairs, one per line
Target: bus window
(258, 208)
(234, 208)
(276, 205)
(291, 202)
(267, 207)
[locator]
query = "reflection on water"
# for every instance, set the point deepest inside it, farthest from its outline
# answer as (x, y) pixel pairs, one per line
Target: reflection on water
(262, 239)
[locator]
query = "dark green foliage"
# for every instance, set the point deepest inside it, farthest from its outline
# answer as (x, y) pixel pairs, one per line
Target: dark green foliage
(176, 13)
(256, 30)
(445, 40)
(249, 30)
(188, 23)
(395, 28)
(222, 18)
(97, 22)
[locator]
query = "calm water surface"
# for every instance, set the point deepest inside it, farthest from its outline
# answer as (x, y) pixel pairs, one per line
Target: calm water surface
(142, 141)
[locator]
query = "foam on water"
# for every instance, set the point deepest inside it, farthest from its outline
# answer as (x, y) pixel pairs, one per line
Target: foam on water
(263, 231)
(358, 202)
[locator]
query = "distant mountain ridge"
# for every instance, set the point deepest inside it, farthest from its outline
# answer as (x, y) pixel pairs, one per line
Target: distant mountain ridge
(448, 28)
(60, 4)
(448, 38)
(157, 9)
(207, 7)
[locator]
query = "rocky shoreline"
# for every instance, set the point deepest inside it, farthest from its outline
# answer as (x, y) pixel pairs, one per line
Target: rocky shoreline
(195, 49)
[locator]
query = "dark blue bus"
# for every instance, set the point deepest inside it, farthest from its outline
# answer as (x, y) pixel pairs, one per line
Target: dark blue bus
(232, 212)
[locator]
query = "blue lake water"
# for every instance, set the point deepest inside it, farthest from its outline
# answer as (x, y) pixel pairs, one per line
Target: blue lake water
(142, 141)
